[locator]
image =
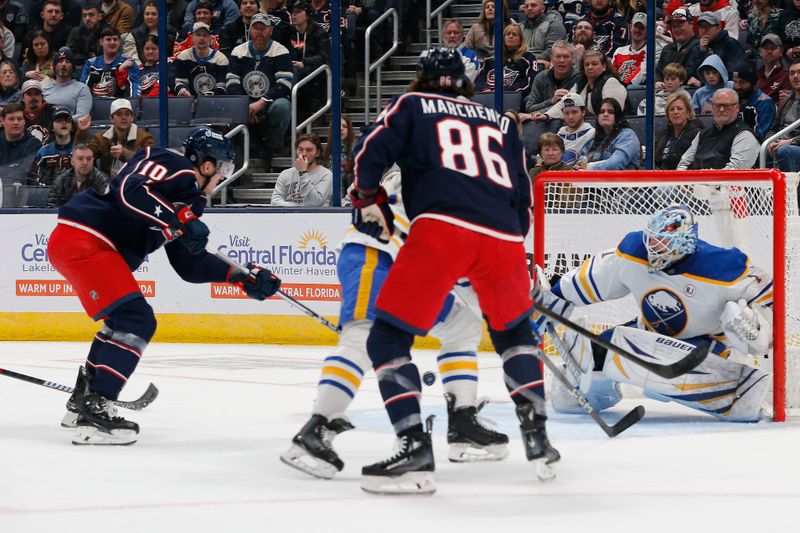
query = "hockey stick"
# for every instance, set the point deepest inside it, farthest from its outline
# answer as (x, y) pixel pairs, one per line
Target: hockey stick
(135, 405)
(612, 431)
(695, 357)
(306, 310)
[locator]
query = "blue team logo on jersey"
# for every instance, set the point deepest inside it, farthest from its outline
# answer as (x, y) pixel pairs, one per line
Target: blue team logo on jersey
(664, 311)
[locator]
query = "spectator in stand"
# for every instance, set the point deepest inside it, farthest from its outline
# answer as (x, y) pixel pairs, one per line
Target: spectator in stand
(773, 76)
(236, 33)
(715, 76)
(786, 151)
(320, 12)
(281, 20)
(66, 92)
(84, 40)
(576, 132)
(723, 10)
(541, 29)
(583, 38)
(596, 82)
(38, 113)
(262, 69)
(149, 69)
(684, 40)
(715, 41)
(55, 157)
(346, 145)
(224, 12)
(17, 149)
(519, 70)
(789, 23)
(453, 37)
(551, 85)
(52, 24)
(551, 152)
(615, 146)
(310, 49)
(763, 19)
(70, 8)
(679, 132)
(480, 37)
(116, 145)
(117, 14)
(133, 42)
(571, 12)
(727, 144)
(630, 61)
(10, 92)
(757, 109)
(81, 176)
(202, 13)
(111, 74)
(7, 43)
(307, 183)
(674, 79)
(200, 70)
(611, 30)
(15, 17)
(38, 58)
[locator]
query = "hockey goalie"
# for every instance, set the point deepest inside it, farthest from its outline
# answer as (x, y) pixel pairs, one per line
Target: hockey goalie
(688, 291)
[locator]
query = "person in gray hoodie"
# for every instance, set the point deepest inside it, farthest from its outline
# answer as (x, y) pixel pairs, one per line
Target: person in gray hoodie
(715, 76)
(541, 29)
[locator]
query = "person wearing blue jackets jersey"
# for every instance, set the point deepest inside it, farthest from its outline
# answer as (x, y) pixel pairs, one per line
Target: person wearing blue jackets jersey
(468, 195)
(155, 200)
(688, 290)
(363, 265)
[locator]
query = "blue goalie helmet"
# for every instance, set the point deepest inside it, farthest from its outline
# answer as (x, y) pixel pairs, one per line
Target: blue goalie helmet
(208, 144)
(442, 66)
(670, 235)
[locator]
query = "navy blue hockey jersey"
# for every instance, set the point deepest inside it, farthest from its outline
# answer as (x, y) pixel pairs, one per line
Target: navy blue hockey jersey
(138, 205)
(461, 162)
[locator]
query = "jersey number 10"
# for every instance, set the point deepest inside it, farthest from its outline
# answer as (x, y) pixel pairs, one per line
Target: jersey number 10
(462, 156)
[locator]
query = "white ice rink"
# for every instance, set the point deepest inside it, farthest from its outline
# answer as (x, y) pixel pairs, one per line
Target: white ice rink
(207, 458)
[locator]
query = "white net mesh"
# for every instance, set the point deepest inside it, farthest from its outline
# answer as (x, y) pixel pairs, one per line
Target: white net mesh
(584, 218)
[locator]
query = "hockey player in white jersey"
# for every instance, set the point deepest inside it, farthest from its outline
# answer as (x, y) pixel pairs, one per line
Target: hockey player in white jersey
(688, 291)
(363, 264)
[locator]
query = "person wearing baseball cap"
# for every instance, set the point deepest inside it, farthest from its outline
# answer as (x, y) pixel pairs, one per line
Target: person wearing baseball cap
(758, 110)
(54, 158)
(684, 41)
(65, 91)
(727, 15)
(575, 132)
(716, 41)
(630, 61)
(38, 113)
(310, 48)
(200, 70)
(773, 76)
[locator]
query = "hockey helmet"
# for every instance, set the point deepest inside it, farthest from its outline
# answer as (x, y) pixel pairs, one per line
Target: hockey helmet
(207, 144)
(670, 235)
(442, 66)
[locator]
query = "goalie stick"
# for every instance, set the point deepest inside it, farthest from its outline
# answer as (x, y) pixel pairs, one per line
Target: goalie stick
(306, 310)
(138, 404)
(678, 368)
(612, 431)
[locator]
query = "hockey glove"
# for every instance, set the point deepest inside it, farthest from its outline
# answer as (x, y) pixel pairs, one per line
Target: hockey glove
(747, 329)
(190, 231)
(258, 283)
(542, 295)
(372, 215)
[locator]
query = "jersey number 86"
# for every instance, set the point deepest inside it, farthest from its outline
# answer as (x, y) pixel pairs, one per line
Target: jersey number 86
(460, 153)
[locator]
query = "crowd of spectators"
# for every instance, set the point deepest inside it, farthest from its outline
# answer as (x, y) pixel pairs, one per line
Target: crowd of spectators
(574, 64)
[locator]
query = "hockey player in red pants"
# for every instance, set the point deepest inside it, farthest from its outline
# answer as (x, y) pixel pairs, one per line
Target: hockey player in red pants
(468, 195)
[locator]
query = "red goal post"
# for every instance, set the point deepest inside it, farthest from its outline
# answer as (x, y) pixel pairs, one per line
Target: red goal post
(580, 213)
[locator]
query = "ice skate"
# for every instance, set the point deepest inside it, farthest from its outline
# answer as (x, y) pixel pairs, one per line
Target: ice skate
(537, 446)
(312, 451)
(469, 440)
(81, 383)
(408, 471)
(97, 425)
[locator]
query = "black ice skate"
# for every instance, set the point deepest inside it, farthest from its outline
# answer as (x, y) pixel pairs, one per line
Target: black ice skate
(312, 451)
(409, 471)
(537, 447)
(81, 386)
(469, 440)
(97, 425)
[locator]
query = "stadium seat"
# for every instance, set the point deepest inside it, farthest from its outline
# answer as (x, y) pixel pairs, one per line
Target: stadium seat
(225, 111)
(180, 110)
(635, 96)
(33, 196)
(177, 134)
(511, 101)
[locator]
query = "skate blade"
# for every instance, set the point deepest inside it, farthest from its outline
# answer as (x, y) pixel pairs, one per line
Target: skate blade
(301, 460)
(544, 471)
(470, 453)
(70, 420)
(420, 483)
(91, 436)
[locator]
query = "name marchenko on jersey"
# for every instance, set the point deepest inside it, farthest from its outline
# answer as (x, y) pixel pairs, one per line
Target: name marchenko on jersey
(439, 105)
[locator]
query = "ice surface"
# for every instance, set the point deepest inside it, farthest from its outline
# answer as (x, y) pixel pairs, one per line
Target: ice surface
(207, 458)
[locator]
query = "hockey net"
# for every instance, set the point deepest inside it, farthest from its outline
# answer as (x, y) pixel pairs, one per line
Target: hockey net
(578, 214)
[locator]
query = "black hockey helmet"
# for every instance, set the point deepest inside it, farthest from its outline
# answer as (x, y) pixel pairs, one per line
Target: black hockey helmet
(208, 144)
(440, 63)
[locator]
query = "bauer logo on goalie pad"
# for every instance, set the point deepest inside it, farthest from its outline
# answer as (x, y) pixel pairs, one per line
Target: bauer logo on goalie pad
(664, 311)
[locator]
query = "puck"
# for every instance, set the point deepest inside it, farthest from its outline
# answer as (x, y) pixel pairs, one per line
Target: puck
(429, 378)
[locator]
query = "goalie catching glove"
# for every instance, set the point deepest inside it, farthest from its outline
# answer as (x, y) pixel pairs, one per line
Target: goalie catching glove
(541, 294)
(188, 229)
(748, 329)
(258, 283)
(372, 214)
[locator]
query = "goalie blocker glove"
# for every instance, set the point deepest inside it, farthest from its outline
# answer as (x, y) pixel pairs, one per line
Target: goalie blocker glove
(258, 283)
(747, 329)
(188, 229)
(372, 214)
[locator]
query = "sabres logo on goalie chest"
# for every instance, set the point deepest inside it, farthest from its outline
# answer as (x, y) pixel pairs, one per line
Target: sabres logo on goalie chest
(664, 311)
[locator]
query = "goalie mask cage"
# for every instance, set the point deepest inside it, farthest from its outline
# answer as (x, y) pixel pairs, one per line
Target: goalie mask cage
(578, 214)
